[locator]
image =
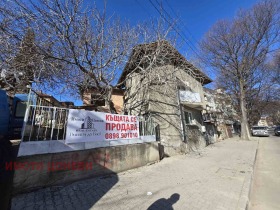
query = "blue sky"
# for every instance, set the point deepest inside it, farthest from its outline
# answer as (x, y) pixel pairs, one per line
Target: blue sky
(194, 17)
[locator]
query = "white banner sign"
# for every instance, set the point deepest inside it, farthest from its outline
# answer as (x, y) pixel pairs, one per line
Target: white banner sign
(88, 126)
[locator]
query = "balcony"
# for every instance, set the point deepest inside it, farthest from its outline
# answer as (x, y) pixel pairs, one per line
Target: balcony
(209, 117)
(195, 124)
(191, 99)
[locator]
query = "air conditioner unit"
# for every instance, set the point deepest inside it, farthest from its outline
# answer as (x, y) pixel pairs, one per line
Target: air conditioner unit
(193, 122)
(203, 128)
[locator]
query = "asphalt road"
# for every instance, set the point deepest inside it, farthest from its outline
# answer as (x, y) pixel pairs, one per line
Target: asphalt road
(265, 191)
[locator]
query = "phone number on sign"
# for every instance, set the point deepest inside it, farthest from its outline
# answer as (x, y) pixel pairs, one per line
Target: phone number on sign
(120, 135)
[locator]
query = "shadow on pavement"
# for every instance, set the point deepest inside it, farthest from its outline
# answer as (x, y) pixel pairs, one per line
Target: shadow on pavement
(78, 195)
(8, 152)
(165, 204)
(82, 190)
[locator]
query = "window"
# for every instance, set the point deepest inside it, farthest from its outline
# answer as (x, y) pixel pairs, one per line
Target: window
(188, 117)
(97, 100)
(259, 128)
(181, 87)
(20, 109)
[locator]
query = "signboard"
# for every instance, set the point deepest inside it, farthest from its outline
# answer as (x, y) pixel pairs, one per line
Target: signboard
(89, 126)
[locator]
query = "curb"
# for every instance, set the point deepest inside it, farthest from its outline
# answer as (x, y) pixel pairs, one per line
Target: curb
(252, 177)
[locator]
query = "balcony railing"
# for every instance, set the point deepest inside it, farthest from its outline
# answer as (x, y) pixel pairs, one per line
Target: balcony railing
(190, 97)
(209, 117)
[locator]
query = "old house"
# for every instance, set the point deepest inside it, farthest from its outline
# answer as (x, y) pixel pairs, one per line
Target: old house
(161, 84)
(47, 100)
(223, 113)
(265, 121)
(209, 115)
(95, 99)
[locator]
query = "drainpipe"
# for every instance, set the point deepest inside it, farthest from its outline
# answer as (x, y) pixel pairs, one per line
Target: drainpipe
(183, 129)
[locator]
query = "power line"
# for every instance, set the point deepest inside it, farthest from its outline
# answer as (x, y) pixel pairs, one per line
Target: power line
(184, 25)
(189, 41)
(143, 8)
(175, 29)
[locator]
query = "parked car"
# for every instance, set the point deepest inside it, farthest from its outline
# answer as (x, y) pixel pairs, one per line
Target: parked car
(259, 131)
(277, 131)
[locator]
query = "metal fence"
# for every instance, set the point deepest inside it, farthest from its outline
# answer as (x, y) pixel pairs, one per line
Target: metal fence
(147, 127)
(49, 123)
(44, 123)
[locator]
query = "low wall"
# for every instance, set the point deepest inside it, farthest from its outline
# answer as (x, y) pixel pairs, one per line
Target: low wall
(55, 146)
(36, 171)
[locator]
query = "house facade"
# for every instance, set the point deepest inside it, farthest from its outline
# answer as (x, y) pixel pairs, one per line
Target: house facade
(209, 116)
(266, 121)
(93, 99)
(161, 84)
(220, 118)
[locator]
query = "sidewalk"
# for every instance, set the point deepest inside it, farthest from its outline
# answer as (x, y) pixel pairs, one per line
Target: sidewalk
(217, 178)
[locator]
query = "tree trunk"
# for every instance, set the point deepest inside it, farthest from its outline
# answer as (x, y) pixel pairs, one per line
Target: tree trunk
(245, 134)
(110, 103)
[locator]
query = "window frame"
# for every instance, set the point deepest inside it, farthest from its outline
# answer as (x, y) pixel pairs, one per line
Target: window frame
(188, 117)
(17, 109)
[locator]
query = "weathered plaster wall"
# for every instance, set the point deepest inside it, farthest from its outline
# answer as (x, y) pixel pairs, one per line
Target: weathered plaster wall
(117, 99)
(98, 161)
(157, 94)
(191, 82)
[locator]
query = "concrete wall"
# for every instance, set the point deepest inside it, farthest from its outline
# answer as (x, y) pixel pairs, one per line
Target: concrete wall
(165, 109)
(55, 146)
(51, 169)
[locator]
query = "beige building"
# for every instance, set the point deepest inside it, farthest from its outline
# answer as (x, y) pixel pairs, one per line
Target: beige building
(161, 84)
(47, 100)
(94, 100)
(263, 121)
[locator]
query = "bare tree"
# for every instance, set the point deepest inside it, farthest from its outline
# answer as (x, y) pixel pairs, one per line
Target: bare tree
(21, 68)
(238, 49)
(22, 61)
(82, 45)
(276, 68)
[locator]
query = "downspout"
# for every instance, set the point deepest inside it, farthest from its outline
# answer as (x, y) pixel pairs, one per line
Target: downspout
(183, 129)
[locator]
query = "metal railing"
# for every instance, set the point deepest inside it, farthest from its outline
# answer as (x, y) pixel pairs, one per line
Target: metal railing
(50, 123)
(147, 127)
(44, 123)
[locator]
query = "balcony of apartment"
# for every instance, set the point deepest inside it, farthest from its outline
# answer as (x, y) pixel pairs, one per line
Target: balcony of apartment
(191, 99)
(195, 125)
(209, 117)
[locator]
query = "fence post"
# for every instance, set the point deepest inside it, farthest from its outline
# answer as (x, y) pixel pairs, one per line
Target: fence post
(25, 122)
(53, 117)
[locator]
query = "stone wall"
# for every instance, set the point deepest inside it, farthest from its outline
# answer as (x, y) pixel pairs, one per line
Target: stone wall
(37, 171)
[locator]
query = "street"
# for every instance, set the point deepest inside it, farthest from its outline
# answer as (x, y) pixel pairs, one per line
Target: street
(218, 177)
(266, 184)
